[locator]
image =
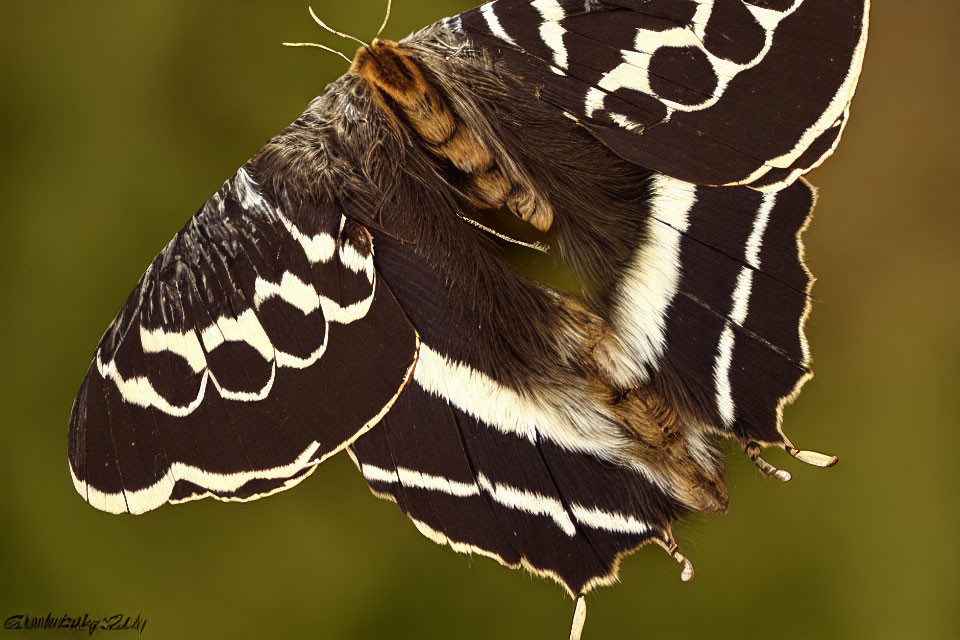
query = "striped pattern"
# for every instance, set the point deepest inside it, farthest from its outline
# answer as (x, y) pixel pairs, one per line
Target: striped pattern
(204, 385)
(730, 301)
(269, 335)
(470, 485)
(736, 91)
(511, 497)
(738, 314)
(482, 467)
(476, 366)
(652, 278)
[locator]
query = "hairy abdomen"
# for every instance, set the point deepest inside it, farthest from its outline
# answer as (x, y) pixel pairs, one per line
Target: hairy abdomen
(406, 93)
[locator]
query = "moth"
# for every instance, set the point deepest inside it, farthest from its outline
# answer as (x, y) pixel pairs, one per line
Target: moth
(340, 292)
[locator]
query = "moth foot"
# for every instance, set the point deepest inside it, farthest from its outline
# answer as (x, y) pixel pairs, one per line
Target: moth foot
(670, 546)
(753, 451)
(814, 458)
(579, 618)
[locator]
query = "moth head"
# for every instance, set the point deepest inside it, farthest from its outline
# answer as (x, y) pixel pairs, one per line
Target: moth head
(387, 67)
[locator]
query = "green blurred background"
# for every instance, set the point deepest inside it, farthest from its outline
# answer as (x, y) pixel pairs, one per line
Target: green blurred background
(119, 119)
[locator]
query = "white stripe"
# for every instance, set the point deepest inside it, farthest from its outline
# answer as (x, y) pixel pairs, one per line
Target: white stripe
(626, 122)
(634, 71)
(211, 337)
(185, 345)
(506, 495)
(317, 248)
(551, 32)
(139, 392)
(755, 241)
(245, 328)
(418, 480)
(514, 498)
(243, 396)
(157, 494)
(493, 22)
(770, 18)
(473, 392)
(529, 502)
(432, 534)
(575, 426)
(305, 298)
(741, 297)
(379, 474)
(653, 275)
(838, 106)
(577, 423)
(726, 406)
(609, 521)
(796, 173)
(721, 374)
(290, 361)
(247, 194)
(333, 312)
(595, 101)
(357, 263)
(291, 290)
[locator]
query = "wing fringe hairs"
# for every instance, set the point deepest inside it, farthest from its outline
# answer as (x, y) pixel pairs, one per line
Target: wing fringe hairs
(331, 296)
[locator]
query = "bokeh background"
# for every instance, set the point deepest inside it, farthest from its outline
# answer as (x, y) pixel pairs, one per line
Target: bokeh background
(119, 119)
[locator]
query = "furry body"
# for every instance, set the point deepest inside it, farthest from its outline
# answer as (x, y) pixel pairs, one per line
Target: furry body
(432, 148)
(334, 296)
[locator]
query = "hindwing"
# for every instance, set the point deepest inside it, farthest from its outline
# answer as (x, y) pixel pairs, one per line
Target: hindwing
(482, 468)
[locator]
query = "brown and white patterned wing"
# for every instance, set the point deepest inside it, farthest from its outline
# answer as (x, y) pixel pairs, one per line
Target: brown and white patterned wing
(712, 305)
(715, 92)
(478, 466)
(258, 343)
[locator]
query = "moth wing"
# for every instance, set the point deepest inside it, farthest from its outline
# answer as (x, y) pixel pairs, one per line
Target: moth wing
(479, 467)
(711, 308)
(258, 343)
(713, 92)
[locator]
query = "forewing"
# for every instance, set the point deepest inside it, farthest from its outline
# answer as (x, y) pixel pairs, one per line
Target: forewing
(712, 92)
(258, 343)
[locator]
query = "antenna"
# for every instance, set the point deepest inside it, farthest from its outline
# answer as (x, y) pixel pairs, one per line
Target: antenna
(334, 31)
(386, 19)
(318, 46)
(327, 27)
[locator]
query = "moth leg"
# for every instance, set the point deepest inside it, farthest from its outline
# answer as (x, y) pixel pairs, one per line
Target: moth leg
(814, 458)
(579, 618)
(670, 546)
(753, 450)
